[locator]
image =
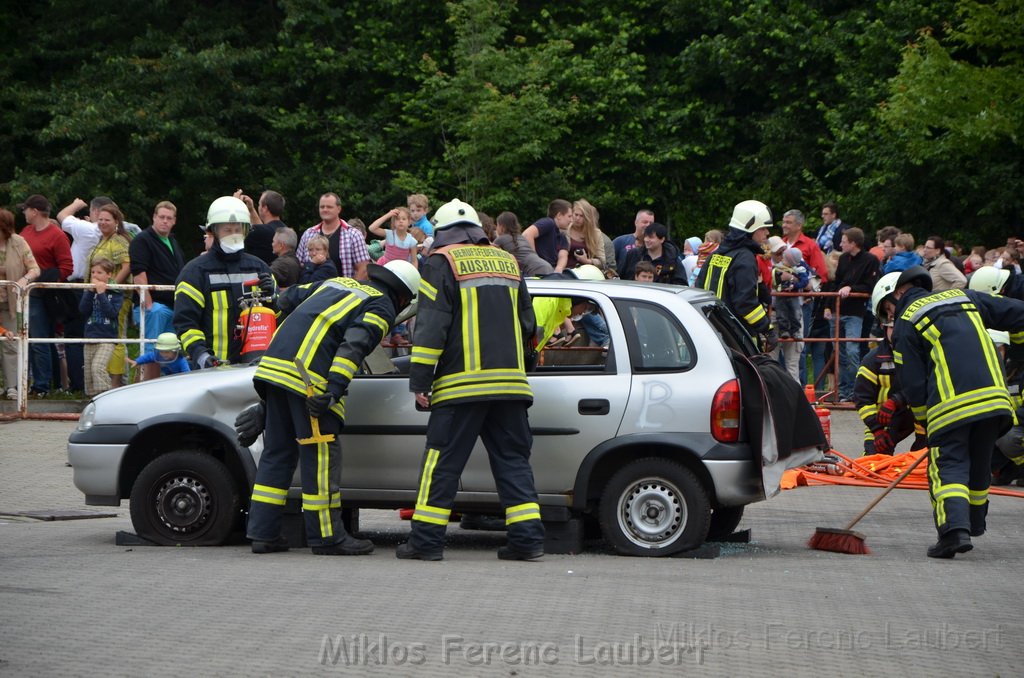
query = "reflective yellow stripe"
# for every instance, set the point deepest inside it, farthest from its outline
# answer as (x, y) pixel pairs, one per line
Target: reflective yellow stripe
(323, 488)
(471, 353)
(491, 375)
(865, 372)
(933, 483)
(429, 463)
(521, 512)
(269, 495)
(971, 403)
(322, 325)
(977, 497)
(344, 367)
(191, 292)
(376, 321)
(425, 356)
(427, 290)
(755, 315)
(221, 330)
(317, 502)
(190, 337)
(431, 514)
(482, 390)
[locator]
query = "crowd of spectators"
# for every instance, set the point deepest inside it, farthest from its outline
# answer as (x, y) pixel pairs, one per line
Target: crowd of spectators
(835, 257)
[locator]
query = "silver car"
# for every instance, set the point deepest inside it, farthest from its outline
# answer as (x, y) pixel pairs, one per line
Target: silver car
(656, 439)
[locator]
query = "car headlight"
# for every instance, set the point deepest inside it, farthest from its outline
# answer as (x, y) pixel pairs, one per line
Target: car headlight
(88, 417)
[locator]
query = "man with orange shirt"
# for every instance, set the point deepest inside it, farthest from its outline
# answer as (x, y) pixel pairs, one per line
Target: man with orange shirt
(52, 251)
(793, 234)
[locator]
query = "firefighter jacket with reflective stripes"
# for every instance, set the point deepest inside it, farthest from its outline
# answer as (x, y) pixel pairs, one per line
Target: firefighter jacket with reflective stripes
(473, 324)
(732, 274)
(949, 369)
(206, 304)
(331, 326)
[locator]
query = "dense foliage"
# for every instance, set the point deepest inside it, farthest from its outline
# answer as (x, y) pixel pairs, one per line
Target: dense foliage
(904, 111)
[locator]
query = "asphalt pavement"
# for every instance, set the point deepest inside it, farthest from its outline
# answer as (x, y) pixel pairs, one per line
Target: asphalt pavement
(72, 602)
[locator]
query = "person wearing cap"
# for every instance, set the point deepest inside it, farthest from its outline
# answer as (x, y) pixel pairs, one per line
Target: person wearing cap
(206, 297)
(329, 327)
(165, 357)
(475, 325)
(52, 252)
(953, 381)
(731, 273)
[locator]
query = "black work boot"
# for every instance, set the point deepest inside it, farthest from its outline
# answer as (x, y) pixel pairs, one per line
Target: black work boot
(950, 544)
(406, 551)
(275, 546)
(349, 546)
(511, 553)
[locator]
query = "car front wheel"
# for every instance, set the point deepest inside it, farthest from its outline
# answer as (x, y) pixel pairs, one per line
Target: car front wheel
(654, 507)
(184, 498)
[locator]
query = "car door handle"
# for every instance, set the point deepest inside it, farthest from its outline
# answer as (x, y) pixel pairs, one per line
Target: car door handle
(594, 406)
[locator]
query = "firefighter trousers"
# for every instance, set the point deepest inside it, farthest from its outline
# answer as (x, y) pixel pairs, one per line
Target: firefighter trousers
(451, 434)
(959, 473)
(287, 421)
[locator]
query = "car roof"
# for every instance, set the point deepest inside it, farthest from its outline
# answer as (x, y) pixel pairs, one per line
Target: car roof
(629, 289)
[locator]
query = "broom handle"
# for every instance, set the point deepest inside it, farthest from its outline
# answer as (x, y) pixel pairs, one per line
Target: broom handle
(887, 490)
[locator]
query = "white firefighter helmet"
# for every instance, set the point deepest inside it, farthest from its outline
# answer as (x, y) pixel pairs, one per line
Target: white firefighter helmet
(750, 216)
(885, 286)
(587, 272)
(405, 272)
(228, 210)
(455, 212)
(989, 279)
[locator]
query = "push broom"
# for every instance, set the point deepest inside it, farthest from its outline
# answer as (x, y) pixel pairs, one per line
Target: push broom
(846, 540)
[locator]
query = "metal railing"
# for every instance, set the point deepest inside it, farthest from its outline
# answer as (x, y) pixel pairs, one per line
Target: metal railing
(25, 341)
(833, 365)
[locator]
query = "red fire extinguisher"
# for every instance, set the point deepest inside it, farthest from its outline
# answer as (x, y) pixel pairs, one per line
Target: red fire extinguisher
(256, 323)
(824, 414)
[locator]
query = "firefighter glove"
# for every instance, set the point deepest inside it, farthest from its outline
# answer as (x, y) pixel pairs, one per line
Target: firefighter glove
(207, 359)
(318, 405)
(249, 424)
(883, 442)
(887, 410)
(268, 286)
(771, 339)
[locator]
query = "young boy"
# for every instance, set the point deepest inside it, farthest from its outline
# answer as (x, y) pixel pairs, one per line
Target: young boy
(903, 254)
(166, 355)
(789, 274)
(320, 266)
(644, 271)
(100, 307)
(419, 206)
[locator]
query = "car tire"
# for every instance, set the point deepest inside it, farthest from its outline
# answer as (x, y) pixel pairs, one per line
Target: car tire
(654, 507)
(186, 498)
(724, 521)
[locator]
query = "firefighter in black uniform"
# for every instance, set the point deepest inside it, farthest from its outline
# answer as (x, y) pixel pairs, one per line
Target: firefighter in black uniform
(331, 326)
(733, 275)
(474, 324)
(206, 296)
(1008, 460)
(953, 380)
(880, 400)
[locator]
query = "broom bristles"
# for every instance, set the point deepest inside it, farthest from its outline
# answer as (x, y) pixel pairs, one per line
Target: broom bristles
(838, 541)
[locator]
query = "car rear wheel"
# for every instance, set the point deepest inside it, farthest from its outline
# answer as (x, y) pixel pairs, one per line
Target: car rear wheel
(654, 507)
(184, 498)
